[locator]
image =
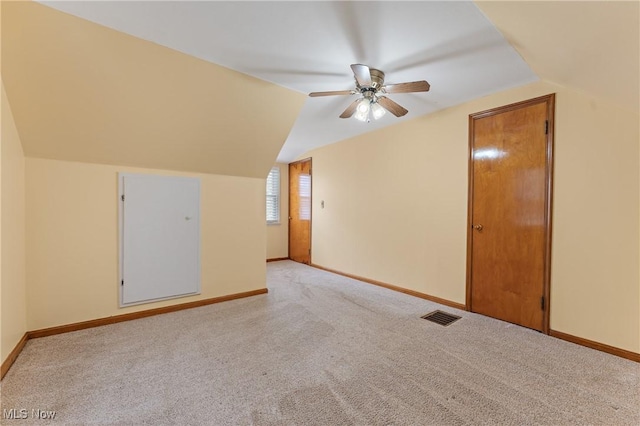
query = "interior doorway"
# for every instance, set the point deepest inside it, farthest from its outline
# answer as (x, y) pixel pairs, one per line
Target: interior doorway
(300, 211)
(509, 222)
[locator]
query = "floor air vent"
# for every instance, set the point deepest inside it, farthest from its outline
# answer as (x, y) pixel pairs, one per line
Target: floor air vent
(441, 318)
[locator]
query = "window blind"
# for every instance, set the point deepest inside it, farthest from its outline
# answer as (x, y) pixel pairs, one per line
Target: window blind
(273, 196)
(304, 191)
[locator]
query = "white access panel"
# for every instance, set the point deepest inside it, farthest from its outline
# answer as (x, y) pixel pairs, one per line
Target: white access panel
(159, 237)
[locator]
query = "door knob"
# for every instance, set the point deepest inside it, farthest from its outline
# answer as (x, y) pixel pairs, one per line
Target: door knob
(477, 227)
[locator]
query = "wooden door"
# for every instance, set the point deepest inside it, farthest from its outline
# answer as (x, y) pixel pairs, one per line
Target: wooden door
(300, 211)
(509, 234)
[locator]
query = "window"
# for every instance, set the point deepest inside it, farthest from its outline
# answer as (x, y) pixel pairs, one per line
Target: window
(304, 191)
(273, 196)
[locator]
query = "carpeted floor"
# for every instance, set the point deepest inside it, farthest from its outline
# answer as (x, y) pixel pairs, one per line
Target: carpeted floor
(319, 349)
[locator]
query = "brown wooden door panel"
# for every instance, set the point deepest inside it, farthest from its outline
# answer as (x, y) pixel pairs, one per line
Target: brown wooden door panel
(509, 233)
(300, 211)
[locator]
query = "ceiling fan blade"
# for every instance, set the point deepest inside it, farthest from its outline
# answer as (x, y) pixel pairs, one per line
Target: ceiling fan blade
(362, 74)
(333, 93)
(414, 86)
(392, 107)
(350, 109)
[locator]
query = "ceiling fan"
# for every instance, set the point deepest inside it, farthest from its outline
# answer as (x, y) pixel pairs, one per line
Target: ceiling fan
(370, 85)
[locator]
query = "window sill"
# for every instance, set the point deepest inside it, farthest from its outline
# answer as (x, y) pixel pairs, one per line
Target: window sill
(273, 223)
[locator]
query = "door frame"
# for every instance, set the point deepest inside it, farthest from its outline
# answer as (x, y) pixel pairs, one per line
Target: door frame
(309, 159)
(549, 100)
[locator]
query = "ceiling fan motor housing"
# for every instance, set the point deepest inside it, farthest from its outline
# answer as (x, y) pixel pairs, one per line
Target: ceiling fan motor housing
(377, 79)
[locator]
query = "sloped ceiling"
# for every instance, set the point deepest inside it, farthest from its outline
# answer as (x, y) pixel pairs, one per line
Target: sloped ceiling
(308, 46)
(84, 92)
(590, 46)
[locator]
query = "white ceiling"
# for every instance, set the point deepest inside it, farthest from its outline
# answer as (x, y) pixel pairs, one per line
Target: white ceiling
(308, 46)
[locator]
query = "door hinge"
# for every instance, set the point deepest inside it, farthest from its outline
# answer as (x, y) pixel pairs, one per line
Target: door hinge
(122, 282)
(309, 252)
(122, 197)
(546, 127)
(542, 303)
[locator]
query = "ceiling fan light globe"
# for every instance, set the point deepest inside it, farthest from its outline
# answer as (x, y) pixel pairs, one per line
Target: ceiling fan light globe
(377, 111)
(362, 116)
(364, 106)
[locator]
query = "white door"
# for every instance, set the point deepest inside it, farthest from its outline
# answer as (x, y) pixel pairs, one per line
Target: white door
(160, 240)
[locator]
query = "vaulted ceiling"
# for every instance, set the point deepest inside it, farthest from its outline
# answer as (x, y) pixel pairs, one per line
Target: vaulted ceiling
(220, 87)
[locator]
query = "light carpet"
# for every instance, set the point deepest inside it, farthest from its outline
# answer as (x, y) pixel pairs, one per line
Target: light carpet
(319, 349)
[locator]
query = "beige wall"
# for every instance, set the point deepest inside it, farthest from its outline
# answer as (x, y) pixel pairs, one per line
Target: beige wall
(278, 234)
(13, 312)
(396, 210)
(595, 284)
(72, 240)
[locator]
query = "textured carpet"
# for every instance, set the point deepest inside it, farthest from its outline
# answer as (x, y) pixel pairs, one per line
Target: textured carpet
(319, 349)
